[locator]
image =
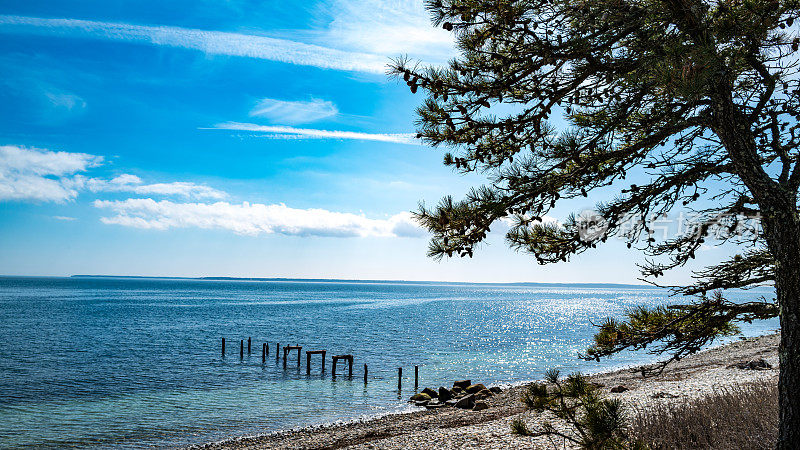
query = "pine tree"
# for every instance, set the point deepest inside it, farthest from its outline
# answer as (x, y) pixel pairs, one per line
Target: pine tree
(699, 98)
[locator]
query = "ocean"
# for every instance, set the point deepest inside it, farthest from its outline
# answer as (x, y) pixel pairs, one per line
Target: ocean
(134, 362)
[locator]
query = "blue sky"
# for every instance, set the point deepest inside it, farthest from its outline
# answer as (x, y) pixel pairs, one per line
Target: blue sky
(230, 138)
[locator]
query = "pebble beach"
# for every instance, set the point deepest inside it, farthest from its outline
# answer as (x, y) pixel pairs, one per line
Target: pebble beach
(453, 428)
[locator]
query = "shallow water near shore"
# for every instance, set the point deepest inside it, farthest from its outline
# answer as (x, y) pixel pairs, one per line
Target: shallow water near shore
(125, 362)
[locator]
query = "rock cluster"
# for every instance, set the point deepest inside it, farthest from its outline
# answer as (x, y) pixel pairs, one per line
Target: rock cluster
(464, 395)
(754, 364)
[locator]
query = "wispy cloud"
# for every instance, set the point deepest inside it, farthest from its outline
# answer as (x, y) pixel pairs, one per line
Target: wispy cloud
(42, 175)
(65, 218)
(134, 184)
(254, 219)
(294, 112)
(294, 133)
(392, 28)
(33, 174)
(209, 42)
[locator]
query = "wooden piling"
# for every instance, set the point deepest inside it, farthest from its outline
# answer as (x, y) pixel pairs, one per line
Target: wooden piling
(223, 347)
(308, 359)
(416, 377)
(248, 346)
(241, 349)
(277, 350)
(348, 358)
(264, 354)
(285, 351)
(365, 374)
(399, 378)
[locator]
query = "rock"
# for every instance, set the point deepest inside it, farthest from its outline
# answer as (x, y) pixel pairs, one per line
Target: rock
(480, 406)
(483, 394)
(618, 389)
(420, 397)
(663, 395)
(475, 388)
(451, 402)
(495, 389)
(430, 392)
(463, 384)
(457, 392)
(754, 364)
(444, 394)
(466, 402)
(433, 404)
(421, 403)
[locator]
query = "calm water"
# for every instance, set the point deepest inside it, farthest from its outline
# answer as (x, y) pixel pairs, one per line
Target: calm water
(137, 362)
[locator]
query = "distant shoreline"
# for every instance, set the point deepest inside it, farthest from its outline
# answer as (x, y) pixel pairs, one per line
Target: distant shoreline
(347, 280)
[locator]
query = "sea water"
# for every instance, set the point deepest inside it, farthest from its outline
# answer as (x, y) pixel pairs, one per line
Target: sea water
(126, 362)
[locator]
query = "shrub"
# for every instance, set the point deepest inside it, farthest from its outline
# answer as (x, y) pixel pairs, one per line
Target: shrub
(519, 427)
(596, 423)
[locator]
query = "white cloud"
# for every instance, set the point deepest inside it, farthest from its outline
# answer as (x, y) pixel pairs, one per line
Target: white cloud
(388, 27)
(294, 133)
(64, 218)
(209, 42)
(42, 175)
(70, 102)
(253, 219)
(134, 184)
(294, 112)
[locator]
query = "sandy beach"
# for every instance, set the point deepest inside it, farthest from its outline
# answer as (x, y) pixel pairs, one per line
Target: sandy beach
(451, 428)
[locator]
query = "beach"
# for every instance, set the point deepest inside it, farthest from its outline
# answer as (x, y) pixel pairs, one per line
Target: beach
(451, 428)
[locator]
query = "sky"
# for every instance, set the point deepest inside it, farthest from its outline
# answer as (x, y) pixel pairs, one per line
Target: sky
(232, 138)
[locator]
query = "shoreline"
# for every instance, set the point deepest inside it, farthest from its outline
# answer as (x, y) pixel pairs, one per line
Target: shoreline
(690, 378)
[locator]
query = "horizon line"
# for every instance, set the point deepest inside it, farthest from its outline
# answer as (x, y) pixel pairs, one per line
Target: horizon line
(352, 280)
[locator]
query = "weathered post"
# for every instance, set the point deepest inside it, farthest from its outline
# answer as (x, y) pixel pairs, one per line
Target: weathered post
(266, 346)
(416, 377)
(365, 374)
(399, 378)
(241, 349)
(285, 351)
(350, 367)
(264, 354)
(248, 346)
(277, 350)
(223, 347)
(333, 368)
(308, 359)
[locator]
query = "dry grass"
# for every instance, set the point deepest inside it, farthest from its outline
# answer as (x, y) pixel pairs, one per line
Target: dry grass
(741, 417)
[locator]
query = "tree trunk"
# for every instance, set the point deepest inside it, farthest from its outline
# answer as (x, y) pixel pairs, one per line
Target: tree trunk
(781, 225)
(787, 286)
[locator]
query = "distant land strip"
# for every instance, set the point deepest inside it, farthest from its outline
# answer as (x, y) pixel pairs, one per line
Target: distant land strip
(343, 280)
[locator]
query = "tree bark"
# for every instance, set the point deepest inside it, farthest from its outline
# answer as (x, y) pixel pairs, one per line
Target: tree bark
(781, 226)
(784, 242)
